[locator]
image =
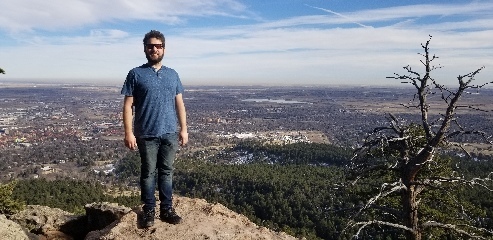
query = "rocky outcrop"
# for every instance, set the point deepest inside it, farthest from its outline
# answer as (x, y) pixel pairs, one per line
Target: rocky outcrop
(201, 220)
(49, 223)
(11, 230)
(101, 215)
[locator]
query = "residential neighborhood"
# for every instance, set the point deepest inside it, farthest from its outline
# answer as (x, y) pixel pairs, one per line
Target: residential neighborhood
(76, 131)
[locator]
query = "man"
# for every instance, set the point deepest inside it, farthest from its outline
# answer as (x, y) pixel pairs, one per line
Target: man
(155, 91)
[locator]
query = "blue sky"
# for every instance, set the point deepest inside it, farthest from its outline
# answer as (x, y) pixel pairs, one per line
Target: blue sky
(257, 42)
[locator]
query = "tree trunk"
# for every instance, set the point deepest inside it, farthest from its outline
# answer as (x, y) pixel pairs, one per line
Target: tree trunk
(411, 212)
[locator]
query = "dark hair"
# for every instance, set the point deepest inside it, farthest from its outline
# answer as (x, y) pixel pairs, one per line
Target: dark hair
(154, 34)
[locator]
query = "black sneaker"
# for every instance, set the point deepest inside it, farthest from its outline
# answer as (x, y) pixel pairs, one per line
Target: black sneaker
(169, 215)
(148, 218)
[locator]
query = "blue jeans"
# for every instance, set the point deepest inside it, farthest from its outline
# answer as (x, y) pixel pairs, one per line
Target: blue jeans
(157, 155)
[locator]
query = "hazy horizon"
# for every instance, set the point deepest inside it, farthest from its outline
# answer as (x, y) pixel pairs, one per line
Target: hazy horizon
(105, 82)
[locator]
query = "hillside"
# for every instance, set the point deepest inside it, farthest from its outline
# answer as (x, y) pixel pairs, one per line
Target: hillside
(201, 220)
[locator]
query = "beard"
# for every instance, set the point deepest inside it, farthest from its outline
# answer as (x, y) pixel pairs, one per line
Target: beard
(153, 61)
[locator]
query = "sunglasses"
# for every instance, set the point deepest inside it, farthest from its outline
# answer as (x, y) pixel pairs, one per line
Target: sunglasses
(151, 46)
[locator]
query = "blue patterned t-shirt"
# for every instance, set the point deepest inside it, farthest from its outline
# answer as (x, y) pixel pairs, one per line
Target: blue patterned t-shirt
(154, 93)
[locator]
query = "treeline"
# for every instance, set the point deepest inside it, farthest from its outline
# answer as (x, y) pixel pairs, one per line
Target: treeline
(297, 153)
(66, 194)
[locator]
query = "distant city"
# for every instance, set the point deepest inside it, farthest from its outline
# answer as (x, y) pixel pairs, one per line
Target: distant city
(76, 131)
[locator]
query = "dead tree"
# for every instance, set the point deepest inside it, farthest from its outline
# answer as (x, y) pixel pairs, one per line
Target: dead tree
(411, 153)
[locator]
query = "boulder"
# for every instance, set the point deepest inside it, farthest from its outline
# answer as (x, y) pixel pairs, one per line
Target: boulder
(11, 230)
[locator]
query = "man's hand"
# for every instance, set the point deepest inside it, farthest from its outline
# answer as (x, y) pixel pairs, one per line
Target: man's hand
(130, 141)
(183, 138)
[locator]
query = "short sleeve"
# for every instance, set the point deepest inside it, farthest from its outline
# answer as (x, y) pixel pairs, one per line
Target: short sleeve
(128, 86)
(179, 86)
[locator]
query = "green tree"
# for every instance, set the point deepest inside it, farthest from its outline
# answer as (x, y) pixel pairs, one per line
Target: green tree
(9, 205)
(405, 159)
(67, 194)
(298, 199)
(129, 166)
(2, 71)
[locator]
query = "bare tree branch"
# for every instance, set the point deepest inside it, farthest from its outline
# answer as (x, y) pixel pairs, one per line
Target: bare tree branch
(434, 181)
(363, 225)
(384, 191)
(457, 229)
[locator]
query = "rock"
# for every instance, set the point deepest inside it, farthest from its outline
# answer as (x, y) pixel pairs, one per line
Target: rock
(100, 215)
(53, 223)
(201, 220)
(11, 230)
(109, 221)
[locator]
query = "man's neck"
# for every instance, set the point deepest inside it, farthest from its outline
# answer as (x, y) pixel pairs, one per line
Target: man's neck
(156, 66)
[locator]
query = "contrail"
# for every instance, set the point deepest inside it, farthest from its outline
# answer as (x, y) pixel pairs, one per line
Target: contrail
(340, 15)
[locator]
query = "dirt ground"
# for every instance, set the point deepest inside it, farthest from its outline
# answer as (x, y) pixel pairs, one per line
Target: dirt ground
(201, 220)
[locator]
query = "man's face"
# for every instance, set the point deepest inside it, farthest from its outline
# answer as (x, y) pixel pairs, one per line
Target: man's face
(154, 50)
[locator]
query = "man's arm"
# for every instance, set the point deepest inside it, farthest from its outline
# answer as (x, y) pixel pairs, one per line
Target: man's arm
(130, 140)
(182, 119)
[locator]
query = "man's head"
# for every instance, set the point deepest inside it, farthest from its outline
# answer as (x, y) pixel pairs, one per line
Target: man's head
(154, 34)
(154, 46)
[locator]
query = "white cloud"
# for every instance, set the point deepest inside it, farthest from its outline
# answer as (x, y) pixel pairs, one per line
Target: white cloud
(28, 15)
(420, 11)
(309, 49)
